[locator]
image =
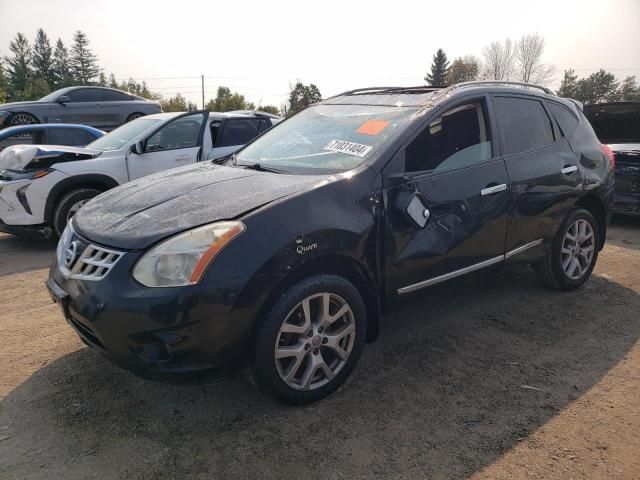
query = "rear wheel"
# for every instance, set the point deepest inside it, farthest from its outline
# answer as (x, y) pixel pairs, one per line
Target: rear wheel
(573, 253)
(69, 205)
(311, 340)
(21, 118)
(135, 115)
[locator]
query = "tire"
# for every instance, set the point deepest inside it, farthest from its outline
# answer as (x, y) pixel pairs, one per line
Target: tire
(134, 115)
(317, 351)
(21, 118)
(68, 203)
(555, 270)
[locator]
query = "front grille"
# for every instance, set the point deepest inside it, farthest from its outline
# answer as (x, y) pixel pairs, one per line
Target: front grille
(82, 260)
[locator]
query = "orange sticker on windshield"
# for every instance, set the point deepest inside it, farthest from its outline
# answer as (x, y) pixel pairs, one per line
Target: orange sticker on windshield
(372, 127)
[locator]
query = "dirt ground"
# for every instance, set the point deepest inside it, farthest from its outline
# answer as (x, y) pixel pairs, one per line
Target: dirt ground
(486, 377)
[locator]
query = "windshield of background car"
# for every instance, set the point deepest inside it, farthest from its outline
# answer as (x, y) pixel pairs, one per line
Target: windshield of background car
(123, 135)
(326, 138)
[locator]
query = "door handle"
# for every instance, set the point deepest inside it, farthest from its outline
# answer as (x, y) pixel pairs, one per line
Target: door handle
(569, 169)
(494, 189)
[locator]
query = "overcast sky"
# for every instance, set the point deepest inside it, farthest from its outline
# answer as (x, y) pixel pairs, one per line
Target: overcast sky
(259, 48)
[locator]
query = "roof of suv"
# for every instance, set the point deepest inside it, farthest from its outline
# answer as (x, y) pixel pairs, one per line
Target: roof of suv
(431, 95)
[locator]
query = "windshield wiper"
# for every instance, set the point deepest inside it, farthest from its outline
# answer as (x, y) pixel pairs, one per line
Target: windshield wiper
(260, 167)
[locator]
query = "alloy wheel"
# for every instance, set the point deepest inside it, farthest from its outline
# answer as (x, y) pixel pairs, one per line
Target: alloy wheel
(315, 341)
(578, 247)
(22, 119)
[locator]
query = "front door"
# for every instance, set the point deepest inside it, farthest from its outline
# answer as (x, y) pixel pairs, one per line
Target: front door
(447, 208)
(174, 144)
(85, 106)
(543, 169)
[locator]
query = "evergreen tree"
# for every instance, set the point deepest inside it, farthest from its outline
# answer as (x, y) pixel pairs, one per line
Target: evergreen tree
(18, 66)
(113, 83)
(598, 87)
(102, 79)
(3, 83)
(439, 69)
(569, 85)
(61, 68)
(83, 63)
(464, 69)
(43, 58)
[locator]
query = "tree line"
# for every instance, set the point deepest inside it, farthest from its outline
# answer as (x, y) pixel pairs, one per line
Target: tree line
(522, 61)
(33, 70)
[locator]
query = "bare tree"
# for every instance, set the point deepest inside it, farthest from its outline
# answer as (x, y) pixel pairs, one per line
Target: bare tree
(528, 60)
(499, 60)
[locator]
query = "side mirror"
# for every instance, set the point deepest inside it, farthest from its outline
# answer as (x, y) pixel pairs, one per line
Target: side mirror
(137, 148)
(63, 99)
(414, 208)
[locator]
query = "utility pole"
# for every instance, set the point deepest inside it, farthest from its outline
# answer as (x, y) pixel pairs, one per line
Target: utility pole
(203, 92)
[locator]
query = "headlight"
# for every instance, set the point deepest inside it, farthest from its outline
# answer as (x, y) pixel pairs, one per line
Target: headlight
(11, 175)
(181, 260)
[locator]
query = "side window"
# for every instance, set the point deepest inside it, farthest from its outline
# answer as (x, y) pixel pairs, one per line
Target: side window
(85, 95)
(29, 137)
(114, 96)
(524, 123)
(457, 139)
(180, 133)
(566, 120)
(264, 125)
(72, 137)
(238, 132)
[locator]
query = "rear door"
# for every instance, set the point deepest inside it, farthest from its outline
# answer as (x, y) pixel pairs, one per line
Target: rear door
(174, 144)
(543, 170)
(447, 211)
(232, 134)
(117, 107)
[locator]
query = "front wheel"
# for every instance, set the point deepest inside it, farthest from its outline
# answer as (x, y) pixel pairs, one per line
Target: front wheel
(311, 340)
(68, 206)
(135, 115)
(573, 253)
(21, 118)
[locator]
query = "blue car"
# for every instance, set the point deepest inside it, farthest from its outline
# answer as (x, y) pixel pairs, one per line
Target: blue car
(49, 134)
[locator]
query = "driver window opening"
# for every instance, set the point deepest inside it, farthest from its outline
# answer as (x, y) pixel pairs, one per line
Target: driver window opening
(459, 138)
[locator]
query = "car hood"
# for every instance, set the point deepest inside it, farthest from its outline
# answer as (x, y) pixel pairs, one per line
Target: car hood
(14, 105)
(142, 212)
(40, 156)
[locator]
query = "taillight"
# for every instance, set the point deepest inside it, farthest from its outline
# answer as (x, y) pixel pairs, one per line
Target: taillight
(609, 154)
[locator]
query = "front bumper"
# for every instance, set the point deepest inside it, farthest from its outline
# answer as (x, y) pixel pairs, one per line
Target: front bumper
(159, 333)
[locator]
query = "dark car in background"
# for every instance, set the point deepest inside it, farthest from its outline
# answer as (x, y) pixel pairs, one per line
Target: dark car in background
(71, 135)
(618, 126)
(283, 256)
(100, 107)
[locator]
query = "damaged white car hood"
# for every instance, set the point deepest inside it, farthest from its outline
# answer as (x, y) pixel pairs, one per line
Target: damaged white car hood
(18, 157)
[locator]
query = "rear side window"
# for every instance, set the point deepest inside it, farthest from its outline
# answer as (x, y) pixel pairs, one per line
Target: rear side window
(72, 137)
(566, 120)
(238, 132)
(85, 95)
(113, 96)
(459, 138)
(524, 123)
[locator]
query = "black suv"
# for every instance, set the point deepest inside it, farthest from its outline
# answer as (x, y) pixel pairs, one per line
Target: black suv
(283, 256)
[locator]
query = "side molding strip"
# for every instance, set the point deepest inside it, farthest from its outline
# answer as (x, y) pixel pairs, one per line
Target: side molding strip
(469, 269)
(522, 248)
(447, 276)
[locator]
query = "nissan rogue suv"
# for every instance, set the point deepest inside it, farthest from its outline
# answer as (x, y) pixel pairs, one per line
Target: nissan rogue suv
(283, 256)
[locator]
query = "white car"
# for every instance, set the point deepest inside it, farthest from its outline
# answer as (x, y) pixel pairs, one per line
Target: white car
(43, 186)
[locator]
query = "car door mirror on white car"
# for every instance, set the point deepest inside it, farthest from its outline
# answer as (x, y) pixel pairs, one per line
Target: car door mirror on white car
(137, 147)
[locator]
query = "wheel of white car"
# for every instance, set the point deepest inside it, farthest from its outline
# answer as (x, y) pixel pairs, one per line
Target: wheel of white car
(68, 206)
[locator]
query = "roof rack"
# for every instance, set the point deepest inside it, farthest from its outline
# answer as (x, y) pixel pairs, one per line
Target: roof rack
(379, 90)
(502, 82)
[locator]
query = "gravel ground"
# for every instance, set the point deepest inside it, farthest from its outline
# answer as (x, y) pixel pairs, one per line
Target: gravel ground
(485, 377)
